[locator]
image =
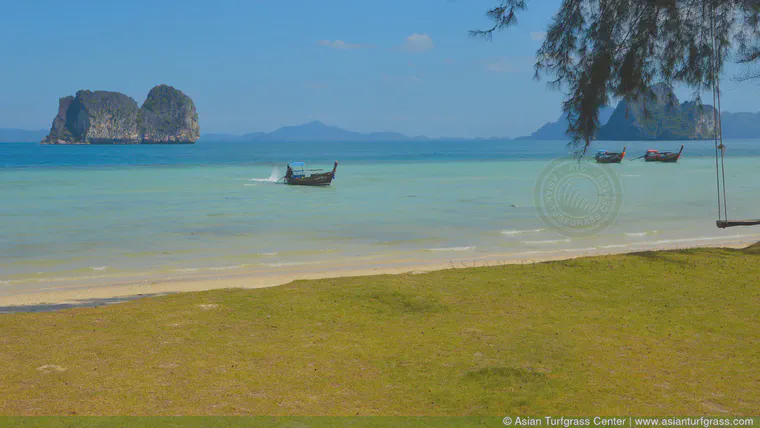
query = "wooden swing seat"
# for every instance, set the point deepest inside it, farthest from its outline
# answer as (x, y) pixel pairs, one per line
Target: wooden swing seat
(733, 223)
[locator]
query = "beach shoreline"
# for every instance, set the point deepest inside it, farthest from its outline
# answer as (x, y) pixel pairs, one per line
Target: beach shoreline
(55, 297)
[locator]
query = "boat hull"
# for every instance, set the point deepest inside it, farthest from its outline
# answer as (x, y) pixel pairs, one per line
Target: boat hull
(605, 157)
(313, 180)
(663, 158)
(610, 158)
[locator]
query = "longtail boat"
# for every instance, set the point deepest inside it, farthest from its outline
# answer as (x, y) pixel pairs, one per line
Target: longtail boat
(603, 156)
(658, 156)
(298, 175)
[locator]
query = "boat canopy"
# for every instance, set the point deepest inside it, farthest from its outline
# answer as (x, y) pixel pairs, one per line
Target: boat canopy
(299, 169)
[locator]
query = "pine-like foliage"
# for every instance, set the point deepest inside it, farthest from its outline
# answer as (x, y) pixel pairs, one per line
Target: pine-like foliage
(598, 49)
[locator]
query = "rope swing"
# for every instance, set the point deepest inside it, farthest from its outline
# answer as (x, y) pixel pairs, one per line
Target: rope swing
(720, 149)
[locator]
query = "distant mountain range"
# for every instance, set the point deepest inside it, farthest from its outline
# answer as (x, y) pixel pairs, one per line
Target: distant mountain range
(311, 132)
(619, 123)
(740, 125)
(12, 135)
(319, 132)
(556, 130)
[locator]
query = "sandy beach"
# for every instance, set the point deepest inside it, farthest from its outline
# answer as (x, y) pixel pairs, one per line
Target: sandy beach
(114, 291)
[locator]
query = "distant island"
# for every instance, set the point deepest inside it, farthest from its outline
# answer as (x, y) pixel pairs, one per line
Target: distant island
(311, 132)
(16, 135)
(556, 130)
(167, 116)
(659, 116)
(319, 132)
(740, 125)
(665, 119)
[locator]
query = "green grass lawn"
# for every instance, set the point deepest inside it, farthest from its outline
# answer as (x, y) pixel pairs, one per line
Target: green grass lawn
(667, 333)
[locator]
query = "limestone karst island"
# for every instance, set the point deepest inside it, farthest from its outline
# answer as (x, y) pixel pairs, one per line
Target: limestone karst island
(167, 116)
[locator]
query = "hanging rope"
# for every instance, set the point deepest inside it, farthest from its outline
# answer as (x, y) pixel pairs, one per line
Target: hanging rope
(720, 149)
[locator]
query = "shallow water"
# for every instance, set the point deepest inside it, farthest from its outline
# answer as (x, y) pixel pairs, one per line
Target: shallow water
(111, 213)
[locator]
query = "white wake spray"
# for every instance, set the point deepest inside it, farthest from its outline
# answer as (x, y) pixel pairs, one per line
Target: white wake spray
(275, 176)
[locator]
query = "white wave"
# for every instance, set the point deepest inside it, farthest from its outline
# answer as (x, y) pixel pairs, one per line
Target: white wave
(519, 232)
(214, 268)
(529, 253)
(283, 264)
(550, 241)
(452, 249)
(579, 250)
(274, 177)
(697, 239)
(99, 268)
(636, 234)
(54, 279)
(615, 246)
(227, 267)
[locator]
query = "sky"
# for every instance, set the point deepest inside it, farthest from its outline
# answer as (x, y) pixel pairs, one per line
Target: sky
(256, 65)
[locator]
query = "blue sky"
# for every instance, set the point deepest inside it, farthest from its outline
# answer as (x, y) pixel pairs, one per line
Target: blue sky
(256, 65)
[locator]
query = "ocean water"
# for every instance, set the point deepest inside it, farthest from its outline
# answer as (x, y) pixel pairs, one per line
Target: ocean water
(73, 215)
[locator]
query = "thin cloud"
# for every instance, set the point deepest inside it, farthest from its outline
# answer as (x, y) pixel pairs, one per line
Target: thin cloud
(538, 36)
(417, 43)
(339, 45)
(449, 60)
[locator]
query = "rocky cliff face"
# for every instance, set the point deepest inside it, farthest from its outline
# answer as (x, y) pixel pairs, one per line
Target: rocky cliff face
(659, 116)
(102, 117)
(168, 116)
(59, 133)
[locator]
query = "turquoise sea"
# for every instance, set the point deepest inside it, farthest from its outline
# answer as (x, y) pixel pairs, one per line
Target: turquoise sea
(111, 214)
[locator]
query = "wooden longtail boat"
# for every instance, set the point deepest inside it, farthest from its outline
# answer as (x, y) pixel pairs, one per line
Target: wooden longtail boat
(657, 156)
(298, 175)
(603, 156)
